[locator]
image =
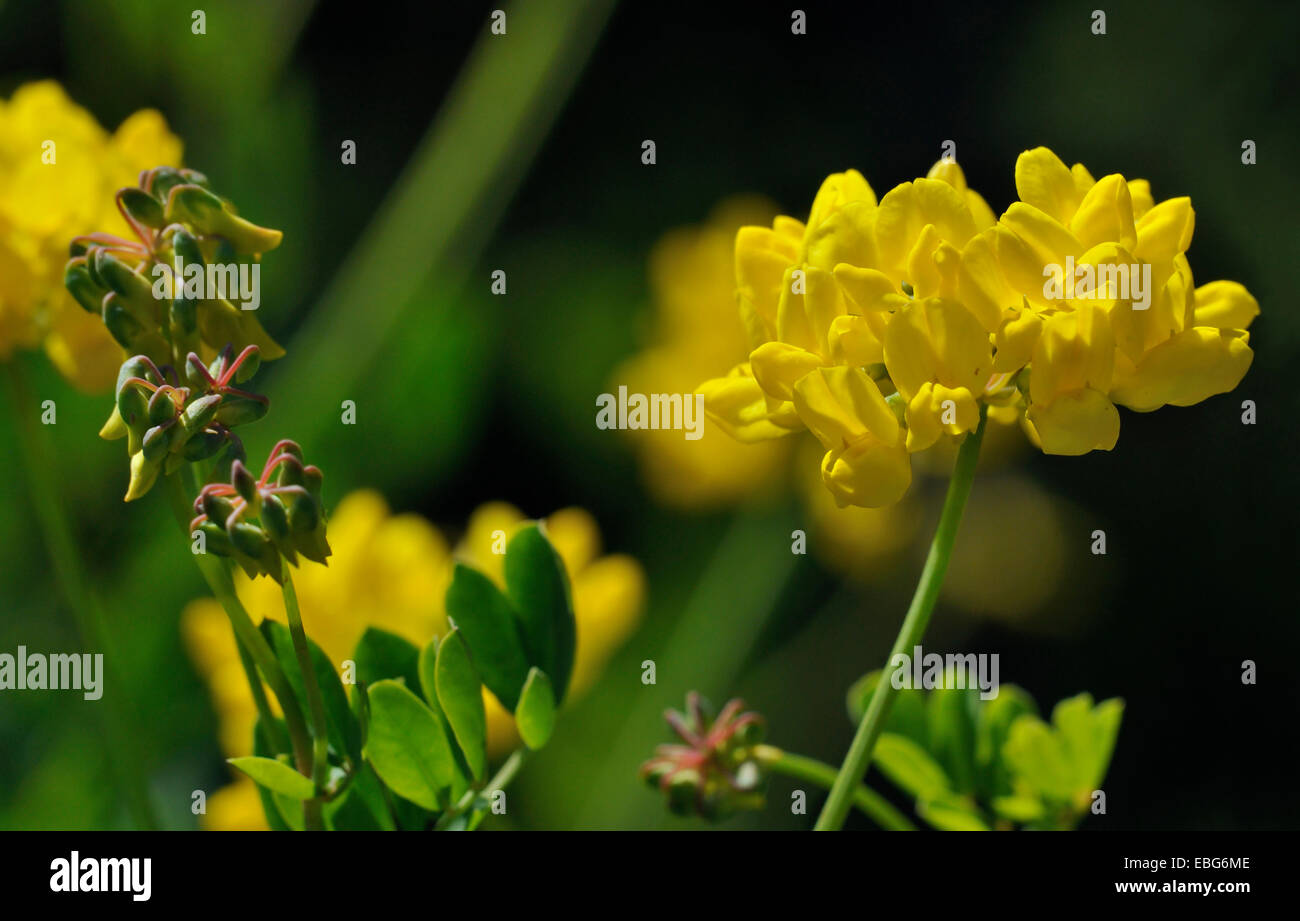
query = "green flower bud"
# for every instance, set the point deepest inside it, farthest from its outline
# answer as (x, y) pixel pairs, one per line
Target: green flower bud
(82, 287)
(142, 207)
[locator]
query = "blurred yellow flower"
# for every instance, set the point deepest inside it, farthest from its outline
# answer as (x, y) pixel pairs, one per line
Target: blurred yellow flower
(59, 171)
(696, 330)
(391, 572)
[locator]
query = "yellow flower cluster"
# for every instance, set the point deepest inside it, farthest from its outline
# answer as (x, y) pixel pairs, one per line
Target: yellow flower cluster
(884, 326)
(391, 572)
(58, 172)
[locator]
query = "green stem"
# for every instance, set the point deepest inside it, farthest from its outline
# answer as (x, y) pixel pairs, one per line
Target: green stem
(500, 780)
(867, 800)
(39, 459)
(315, 702)
(914, 624)
(223, 588)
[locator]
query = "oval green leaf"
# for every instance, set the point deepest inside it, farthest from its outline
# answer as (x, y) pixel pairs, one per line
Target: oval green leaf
(538, 588)
(461, 697)
(406, 745)
(276, 776)
(535, 716)
(486, 620)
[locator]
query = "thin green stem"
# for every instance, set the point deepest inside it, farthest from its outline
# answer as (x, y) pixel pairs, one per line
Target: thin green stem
(315, 702)
(914, 624)
(500, 780)
(276, 735)
(866, 800)
(38, 458)
(222, 586)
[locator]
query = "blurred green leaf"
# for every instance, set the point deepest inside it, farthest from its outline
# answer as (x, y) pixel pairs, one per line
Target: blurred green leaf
(262, 748)
(951, 812)
(538, 589)
(407, 746)
(1088, 734)
(275, 776)
(382, 655)
(951, 719)
(536, 714)
(910, 767)
(991, 731)
(487, 621)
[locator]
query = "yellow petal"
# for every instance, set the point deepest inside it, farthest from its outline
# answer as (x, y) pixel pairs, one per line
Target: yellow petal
(1186, 369)
(938, 410)
(762, 257)
(778, 365)
(981, 285)
(905, 211)
(870, 474)
(1016, 340)
(937, 340)
(1225, 305)
(841, 405)
(1043, 181)
(1074, 350)
(837, 190)
(738, 405)
(847, 235)
(1105, 215)
(1165, 230)
(1075, 423)
(854, 341)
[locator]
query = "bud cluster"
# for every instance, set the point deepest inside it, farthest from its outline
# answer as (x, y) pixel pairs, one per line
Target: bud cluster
(167, 424)
(255, 522)
(718, 771)
(182, 225)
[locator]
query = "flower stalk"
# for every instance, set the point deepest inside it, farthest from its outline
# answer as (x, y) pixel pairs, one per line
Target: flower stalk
(909, 635)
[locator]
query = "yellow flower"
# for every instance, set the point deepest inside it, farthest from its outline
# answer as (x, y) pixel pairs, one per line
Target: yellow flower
(1170, 343)
(59, 171)
(855, 304)
(1077, 298)
(696, 330)
(391, 572)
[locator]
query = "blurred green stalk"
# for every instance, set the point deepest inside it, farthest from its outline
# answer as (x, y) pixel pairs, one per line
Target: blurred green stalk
(446, 204)
(41, 462)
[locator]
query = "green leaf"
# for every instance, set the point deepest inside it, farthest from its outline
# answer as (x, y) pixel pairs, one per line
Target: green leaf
(991, 731)
(382, 655)
(536, 714)
(951, 813)
(1037, 758)
(951, 718)
(910, 767)
(1088, 736)
(538, 588)
(276, 776)
(461, 697)
(407, 746)
(341, 725)
(1020, 809)
(487, 621)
